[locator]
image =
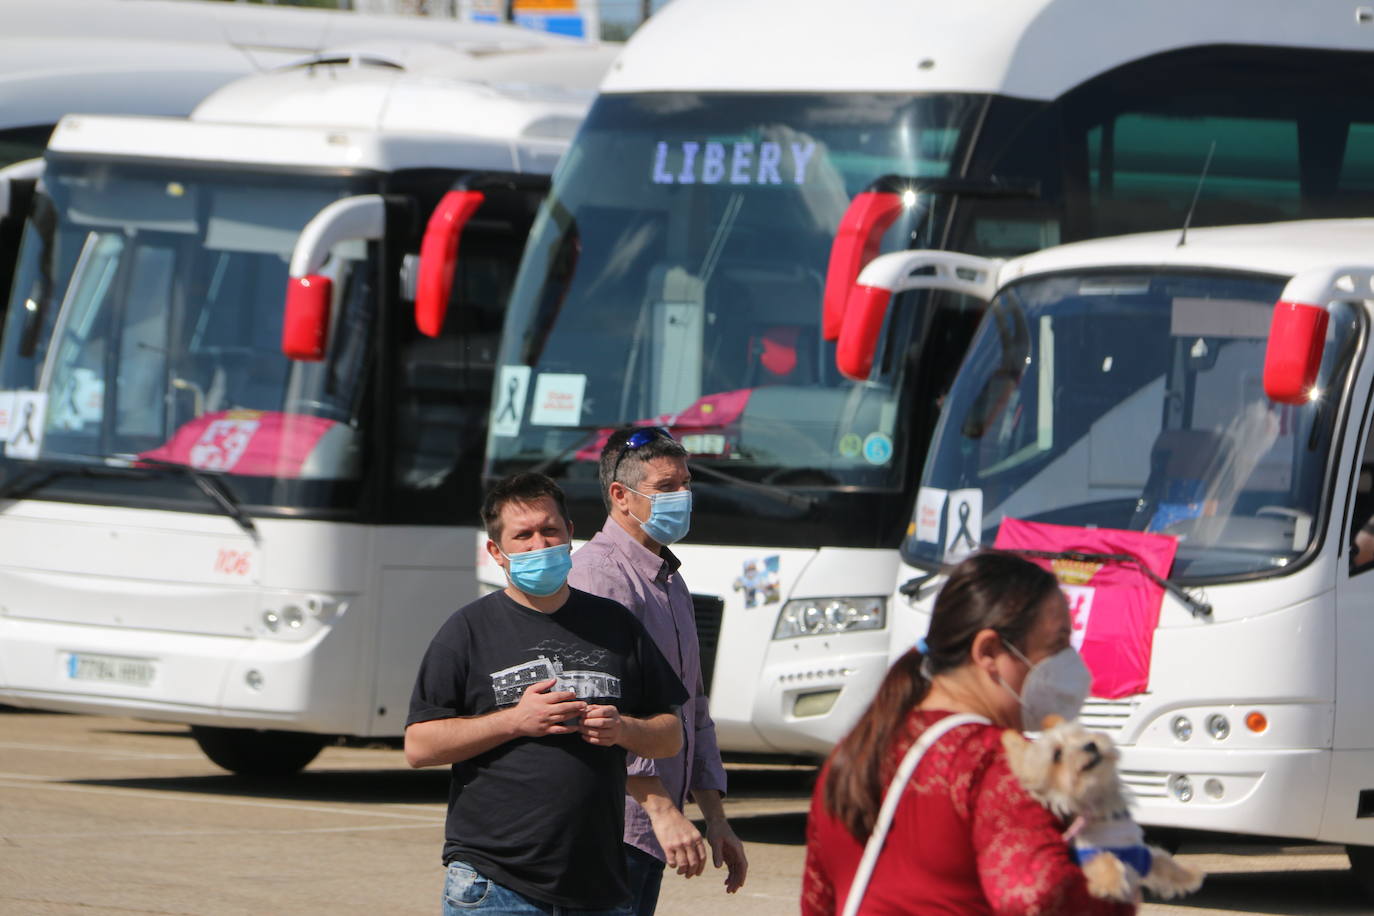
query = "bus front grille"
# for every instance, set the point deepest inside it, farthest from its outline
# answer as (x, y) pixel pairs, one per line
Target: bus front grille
(1146, 783)
(1106, 715)
(708, 610)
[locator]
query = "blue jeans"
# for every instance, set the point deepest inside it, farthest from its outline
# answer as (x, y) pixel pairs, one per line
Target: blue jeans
(646, 877)
(468, 891)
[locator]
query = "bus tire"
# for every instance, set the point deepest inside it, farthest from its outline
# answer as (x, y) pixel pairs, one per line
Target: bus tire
(254, 752)
(1362, 867)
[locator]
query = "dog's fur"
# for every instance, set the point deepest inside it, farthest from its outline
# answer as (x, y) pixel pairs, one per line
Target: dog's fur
(1072, 771)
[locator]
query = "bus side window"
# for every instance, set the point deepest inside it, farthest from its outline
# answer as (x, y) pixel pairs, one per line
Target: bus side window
(1362, 513)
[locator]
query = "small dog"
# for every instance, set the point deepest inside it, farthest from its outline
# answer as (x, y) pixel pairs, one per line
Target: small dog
(1072, 771)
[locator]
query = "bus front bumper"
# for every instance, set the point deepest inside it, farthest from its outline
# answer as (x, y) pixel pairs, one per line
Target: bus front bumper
(173, 677)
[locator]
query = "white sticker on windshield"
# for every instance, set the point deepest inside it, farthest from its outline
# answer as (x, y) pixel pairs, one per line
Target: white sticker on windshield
(509, 407)
(963, 523)
(26, 428)
(6, 414)
(930, 502)
(558, 399)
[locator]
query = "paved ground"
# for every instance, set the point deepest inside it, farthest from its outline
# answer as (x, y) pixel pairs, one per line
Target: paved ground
(125, 817)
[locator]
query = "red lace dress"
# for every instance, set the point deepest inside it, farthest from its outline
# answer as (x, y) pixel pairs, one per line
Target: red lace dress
(966, 839)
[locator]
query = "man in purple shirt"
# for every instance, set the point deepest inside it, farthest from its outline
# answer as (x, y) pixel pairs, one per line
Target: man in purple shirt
(644, 483)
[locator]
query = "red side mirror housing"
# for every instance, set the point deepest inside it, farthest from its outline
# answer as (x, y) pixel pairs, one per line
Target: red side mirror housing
(870, 214)
(863, 322)
(305, 326)
(1294, 353)
(439, 258)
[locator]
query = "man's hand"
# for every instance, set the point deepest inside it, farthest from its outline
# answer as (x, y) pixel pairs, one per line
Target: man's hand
(542, 711)
(601, 725)
(727, 850)
(681, 841)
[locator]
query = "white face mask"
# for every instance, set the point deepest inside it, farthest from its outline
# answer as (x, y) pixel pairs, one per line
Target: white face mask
(1054, 686)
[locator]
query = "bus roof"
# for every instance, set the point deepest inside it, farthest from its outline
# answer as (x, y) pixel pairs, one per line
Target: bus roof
(1278, 249)
(422, 87)
(385, 108)
(164, 56)
(1035, 49)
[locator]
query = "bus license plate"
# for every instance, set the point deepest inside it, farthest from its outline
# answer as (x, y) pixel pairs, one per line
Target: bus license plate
(82, 666)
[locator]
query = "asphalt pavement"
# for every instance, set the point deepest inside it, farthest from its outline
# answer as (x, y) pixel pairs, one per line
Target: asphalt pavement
(108, 815)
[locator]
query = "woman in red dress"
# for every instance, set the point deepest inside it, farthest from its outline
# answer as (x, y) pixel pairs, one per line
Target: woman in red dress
(966, 838)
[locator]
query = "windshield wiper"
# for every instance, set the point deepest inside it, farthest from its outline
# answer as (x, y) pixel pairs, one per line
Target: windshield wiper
(577, 445)
(216, 488)
(782, 494)
(1196, 606)
(37, 477)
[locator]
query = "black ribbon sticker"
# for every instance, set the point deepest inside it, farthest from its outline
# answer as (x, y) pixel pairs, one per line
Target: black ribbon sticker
(512, 389)
(26, 426)
(964, 534)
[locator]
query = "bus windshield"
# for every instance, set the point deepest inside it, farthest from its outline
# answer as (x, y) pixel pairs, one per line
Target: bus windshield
(145, 325)
(1135, 401)
(675, 276)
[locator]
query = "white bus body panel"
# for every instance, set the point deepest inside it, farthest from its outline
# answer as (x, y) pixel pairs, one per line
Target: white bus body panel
(188, 593)
(1034, 50)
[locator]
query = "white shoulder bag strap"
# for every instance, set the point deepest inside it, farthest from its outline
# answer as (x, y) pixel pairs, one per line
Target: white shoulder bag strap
(893, 798)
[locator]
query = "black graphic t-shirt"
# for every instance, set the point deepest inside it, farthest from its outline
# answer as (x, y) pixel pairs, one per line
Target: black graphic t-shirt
(543, 816)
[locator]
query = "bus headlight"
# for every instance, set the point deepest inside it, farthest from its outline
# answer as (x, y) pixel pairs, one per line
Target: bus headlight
(829, 616)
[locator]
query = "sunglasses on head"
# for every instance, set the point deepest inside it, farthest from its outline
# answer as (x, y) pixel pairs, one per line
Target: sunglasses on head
(638, 439)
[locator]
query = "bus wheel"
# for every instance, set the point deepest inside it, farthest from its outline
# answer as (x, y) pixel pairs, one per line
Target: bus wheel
(250, 752)
(1362, 867)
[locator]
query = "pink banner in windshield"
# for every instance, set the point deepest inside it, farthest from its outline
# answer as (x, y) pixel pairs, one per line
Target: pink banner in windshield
(1113, 605)
(256, 443)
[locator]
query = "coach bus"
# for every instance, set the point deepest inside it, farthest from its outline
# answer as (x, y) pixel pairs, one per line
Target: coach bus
(741, 164)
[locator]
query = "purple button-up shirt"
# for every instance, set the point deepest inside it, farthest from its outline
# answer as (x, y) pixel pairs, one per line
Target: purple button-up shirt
(616, 566)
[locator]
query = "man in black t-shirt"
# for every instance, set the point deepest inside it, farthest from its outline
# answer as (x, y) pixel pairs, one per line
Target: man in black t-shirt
(534, 694)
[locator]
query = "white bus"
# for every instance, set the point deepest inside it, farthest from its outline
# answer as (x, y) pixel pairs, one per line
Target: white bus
(1216, 392)
(246, 371)
(677, 272)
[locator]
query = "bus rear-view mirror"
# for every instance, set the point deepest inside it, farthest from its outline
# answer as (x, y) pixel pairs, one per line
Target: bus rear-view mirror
(870, 296)
(309, 292)
(857, 240)
(305, 326)
(1293, 355)
(439, 258)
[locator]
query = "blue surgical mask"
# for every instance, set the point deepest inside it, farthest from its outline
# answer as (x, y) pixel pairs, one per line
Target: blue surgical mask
(670, 516)
(540, 572)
